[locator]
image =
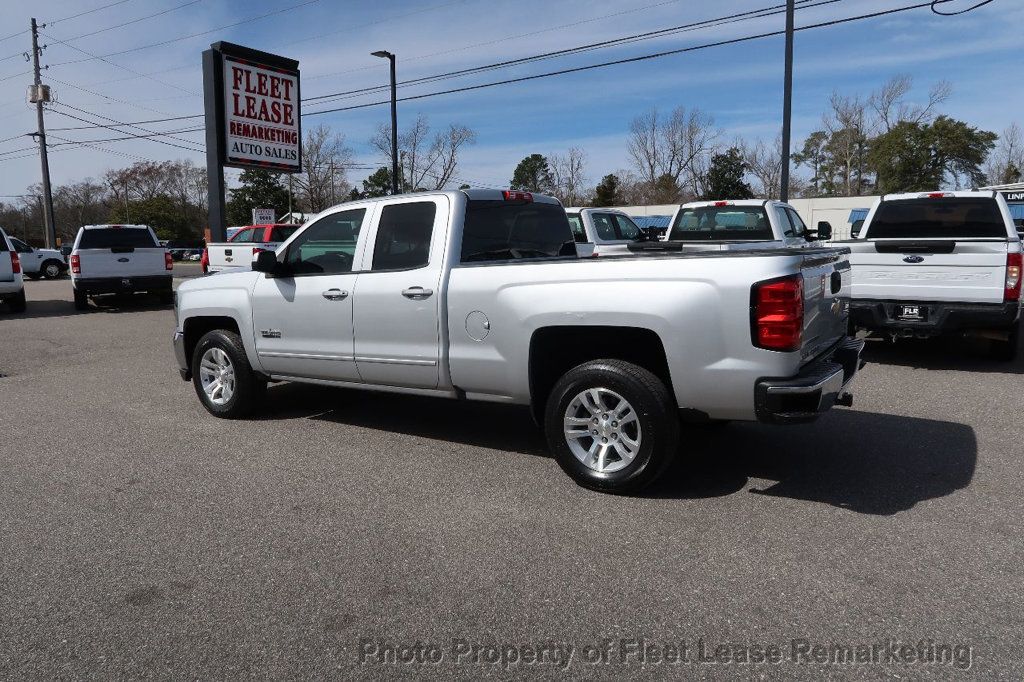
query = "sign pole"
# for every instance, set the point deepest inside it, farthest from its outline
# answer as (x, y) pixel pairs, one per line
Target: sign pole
(213, 72)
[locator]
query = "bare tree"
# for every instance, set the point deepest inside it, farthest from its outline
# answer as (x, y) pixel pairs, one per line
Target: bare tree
(567, 174)
(891, 107)
(677, 149)
(425, 162)
(325, 160)
(847, 128)
(1006, 164)
(644, 145)
(764, 163)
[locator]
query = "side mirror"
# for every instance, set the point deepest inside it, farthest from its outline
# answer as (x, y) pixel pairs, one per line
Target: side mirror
(824, 231)
(266, 262)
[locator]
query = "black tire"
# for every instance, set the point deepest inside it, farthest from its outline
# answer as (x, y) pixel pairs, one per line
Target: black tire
(81, 300)
(1006, 351)
(656, 414)
(17, 303)
(51, 269)
(166, 297)
(249, 387)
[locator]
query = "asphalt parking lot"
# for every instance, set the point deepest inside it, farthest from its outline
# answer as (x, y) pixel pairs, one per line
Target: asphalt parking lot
(144, 538)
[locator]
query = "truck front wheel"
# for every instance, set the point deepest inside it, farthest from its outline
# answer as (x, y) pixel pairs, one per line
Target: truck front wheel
(223, 377)
(612, 425)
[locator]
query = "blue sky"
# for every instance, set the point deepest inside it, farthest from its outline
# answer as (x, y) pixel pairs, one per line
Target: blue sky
(979, 53)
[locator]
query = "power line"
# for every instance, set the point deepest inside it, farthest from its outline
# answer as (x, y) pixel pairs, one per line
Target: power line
(192, 35)
(96, 9)
(130, 22)
(628, 60)
(109, 127)
(119, 101)
(129, 70)
(615, 42)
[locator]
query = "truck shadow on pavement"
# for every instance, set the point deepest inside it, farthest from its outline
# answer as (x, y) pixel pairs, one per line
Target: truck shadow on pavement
(865, 462)
(108, 304)
(958, 354)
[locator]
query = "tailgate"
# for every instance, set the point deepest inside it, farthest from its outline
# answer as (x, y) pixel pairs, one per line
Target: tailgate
(235, 254)
(962, 271)
(121, 262)
(826, 293)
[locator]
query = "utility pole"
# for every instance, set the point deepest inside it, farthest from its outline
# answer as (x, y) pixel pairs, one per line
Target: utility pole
(39, 96)
(787, 102)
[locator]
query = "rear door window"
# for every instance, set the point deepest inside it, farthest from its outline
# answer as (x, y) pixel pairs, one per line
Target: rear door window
(279, 234)
(117, 238)
(799, 228)
(604, 226)
(964, 218)
(576, 223)
(246, 235)
(498, 230)
(403, 236)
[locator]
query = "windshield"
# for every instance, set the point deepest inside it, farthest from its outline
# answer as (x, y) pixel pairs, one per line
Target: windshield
(116, 237)
(721, 222)
(504, 230)
(937, 219)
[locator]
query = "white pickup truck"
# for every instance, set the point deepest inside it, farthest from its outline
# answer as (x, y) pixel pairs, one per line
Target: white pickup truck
(732, 225)
(479, 295)
(610, 231)
(119, 259)
(932, 263)
(243, 246)
(12, 282)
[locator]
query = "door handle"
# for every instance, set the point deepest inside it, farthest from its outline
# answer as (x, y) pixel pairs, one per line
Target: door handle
(417, 293)
(335, 295)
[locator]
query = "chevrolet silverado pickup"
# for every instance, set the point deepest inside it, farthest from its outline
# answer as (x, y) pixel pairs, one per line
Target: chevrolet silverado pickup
(241, 248)
(609, 230)
(741, 224)
(933, 263)
(480, 295)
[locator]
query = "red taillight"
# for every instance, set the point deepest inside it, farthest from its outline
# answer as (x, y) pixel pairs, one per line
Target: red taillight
(204, 260)
(168, 261)
(512, 195)
(778, 313)
(76, 264)
(1014, 265)
(935, 195)
(15, 263)
(721, 203)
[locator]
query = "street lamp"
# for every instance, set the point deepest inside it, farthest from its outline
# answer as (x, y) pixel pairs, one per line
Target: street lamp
(384, 54)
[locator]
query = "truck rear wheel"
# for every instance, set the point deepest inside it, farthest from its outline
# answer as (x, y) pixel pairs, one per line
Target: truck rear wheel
(223, 377)
(1007, 350)
(17, 302)
(612, 426)
(81, 300)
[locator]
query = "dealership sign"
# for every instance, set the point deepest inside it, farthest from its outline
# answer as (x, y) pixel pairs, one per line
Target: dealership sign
(1012, 196)
(261, 115)
(252, 108)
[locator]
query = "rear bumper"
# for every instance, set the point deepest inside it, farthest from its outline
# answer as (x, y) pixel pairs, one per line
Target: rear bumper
(817, 387)
(123, 285)
(940, 317)
(178, 341)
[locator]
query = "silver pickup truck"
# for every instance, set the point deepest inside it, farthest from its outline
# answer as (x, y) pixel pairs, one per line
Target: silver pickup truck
(479, 295)
(731, 225)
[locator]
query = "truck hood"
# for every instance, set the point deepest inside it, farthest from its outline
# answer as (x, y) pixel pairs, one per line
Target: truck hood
(228, 279)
